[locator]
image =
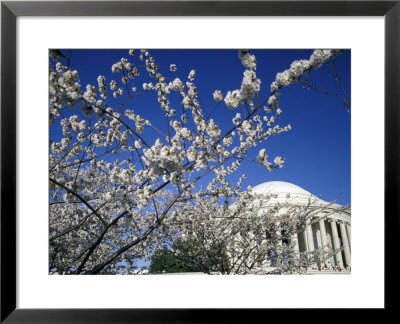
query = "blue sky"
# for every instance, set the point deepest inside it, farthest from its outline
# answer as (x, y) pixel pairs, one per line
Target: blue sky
(317, 149)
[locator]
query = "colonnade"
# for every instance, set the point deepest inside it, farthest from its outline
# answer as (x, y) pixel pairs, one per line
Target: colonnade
(324, 233)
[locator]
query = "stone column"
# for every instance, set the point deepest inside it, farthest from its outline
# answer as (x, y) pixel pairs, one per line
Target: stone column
(296, 244)
(304, 233)
(348, 230)
(345, 242)
(296, 255)
(317, 241)
(279, 245)
(336, 245)
(318, 235)
(324, 241)
(310, 240)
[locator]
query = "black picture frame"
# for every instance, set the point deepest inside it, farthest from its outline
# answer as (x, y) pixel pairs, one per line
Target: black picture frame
(10, 10)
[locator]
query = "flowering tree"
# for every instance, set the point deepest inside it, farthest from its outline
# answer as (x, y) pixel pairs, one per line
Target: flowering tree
(105, 213)
(255, 234)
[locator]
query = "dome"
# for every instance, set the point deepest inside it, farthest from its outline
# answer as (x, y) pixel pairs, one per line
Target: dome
(279, 187)
(286, 192)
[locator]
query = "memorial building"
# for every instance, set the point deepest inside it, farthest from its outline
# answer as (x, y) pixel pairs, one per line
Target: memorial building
(330, 228)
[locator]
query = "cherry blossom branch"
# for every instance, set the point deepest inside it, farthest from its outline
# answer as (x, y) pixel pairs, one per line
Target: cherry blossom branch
(98, 241)
(98, 268)
(74, 227)
(80, 198)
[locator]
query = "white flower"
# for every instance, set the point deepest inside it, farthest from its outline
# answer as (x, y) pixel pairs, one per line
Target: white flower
(172, 67)
(248, 128)
(262, 157)
(279, 161)
(90, 94)
(320, 56)
(117, 67)
(81, 137)
(59, 67)
(177, 85)
(191, 75)
(273, 101)
(250, 85)
(233, 99)
(184, 119)
(139, 128)
(175, 178)
(236, 119)
(176, 125)
(186, 102)
(248, 60)
(191, 154)
(297, 67)
(113, 85)
(274, 86)
(138, 144)
(213, 129)
(283, 78)
(218, 95)
(186, 133)
(148, 86)
(227, 141)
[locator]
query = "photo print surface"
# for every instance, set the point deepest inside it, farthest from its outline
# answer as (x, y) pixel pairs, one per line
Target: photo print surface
(199, 162)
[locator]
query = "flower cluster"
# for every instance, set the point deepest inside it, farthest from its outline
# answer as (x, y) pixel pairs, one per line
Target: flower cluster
(233, 99)
(297, 68)
(162, 160)
(250, 85)
(191, 75)
(218, 95)
(64, 90)
(248, 60)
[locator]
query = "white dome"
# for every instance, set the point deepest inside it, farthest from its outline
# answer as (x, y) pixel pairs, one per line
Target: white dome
(285, 192)
(279, 187)
(280, 192)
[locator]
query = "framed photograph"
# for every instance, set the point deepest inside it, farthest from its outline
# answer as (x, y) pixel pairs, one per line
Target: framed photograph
(41, 281)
